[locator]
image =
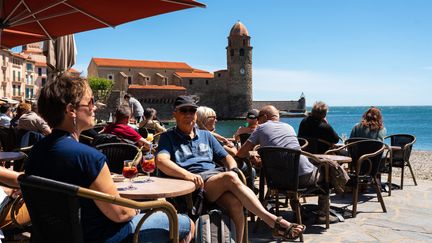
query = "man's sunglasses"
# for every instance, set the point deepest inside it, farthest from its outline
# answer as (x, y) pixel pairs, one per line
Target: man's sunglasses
(185, 110)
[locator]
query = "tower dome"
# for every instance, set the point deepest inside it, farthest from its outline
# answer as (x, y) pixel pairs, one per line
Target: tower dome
(239, 30)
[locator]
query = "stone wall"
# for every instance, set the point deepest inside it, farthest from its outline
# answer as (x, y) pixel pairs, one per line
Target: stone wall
(288, 106)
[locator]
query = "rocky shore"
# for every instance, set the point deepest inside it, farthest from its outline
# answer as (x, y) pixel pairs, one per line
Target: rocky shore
(421, 162)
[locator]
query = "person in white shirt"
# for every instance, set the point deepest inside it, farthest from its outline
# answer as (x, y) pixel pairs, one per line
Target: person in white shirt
(5, 115)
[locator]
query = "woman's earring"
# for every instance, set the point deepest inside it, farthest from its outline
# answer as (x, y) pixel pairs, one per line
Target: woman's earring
(74, 122)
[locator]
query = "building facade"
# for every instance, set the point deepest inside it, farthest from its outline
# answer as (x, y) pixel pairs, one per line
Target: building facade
(22, 74)
(157, 84)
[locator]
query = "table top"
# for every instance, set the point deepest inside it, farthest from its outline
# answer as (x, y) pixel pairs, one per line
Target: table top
(8, 156)
(157, 188)
(337, 158)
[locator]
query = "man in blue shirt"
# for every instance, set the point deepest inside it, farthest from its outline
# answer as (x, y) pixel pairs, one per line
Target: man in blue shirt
(188, 153)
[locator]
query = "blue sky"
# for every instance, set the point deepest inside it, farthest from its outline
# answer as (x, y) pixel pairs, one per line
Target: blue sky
(369, 52)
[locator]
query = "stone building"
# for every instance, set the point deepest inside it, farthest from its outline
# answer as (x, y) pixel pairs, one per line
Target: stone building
(156, 83)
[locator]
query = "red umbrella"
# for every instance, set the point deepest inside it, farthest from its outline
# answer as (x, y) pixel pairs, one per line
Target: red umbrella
(26, 21)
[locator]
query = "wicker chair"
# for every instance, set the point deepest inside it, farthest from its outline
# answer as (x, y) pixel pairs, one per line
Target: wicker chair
(317, 145)
(116, 153)
(366, 159)
(303, 142)
(401, 158)
(54, 208)
(280, 169)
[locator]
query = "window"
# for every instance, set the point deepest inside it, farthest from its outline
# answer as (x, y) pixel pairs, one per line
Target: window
(19, 76)
(241, 52)
(129, 80)
(13, 75)
(29, 67)
(16, 90)
(232, 52)
(219, 75)
(27, 94)
(244, 42)
(190, 81)
(40, 71)
(206, 82)
(43, 81)
(110, 76)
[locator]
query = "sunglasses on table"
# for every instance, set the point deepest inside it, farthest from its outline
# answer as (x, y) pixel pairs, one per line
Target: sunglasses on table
(185, 110)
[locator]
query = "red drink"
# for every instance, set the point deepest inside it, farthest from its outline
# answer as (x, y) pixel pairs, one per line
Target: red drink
(129, 172)
(148, 165)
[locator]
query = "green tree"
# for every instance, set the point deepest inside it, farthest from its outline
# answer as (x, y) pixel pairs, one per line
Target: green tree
(101, 88)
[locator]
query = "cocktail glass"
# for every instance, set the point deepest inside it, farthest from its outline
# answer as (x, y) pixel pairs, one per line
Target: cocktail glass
(149, 137)
(130, 171)
(148, 165)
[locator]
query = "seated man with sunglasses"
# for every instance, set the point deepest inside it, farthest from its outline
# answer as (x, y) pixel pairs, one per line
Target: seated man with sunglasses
(188, 153)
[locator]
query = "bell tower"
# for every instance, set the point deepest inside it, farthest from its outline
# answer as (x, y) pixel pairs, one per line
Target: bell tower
(239, 65)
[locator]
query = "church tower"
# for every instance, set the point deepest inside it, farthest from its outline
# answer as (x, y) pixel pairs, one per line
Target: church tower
(239, 65)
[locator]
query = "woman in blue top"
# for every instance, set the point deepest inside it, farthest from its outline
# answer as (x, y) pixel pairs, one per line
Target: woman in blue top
(67, 105)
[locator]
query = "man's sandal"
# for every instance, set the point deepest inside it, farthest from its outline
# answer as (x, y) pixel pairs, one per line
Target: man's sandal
(280, 232)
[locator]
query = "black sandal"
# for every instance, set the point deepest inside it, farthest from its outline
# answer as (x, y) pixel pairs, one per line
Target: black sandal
(280, 232)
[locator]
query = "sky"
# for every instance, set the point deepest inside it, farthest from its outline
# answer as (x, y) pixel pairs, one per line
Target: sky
(343, 52)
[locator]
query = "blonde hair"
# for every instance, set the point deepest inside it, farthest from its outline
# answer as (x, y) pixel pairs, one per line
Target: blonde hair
(203, 113)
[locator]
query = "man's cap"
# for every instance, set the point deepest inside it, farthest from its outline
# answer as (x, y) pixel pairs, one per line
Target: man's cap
(252, 114)
(184, 100)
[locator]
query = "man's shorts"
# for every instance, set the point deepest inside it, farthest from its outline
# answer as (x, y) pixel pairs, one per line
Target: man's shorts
(209, 173)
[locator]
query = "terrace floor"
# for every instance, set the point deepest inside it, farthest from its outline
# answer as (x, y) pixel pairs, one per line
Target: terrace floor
(408, 218)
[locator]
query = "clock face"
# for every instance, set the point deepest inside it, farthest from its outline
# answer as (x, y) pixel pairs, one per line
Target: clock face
(242, 71)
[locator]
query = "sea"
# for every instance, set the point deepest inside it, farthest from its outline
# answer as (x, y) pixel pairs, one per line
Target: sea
(415, 120)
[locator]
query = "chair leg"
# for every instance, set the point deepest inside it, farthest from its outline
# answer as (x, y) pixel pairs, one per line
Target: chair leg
(327, 212)
(402, 177)
(298, 212)
(379, 195)
(412, 172)
(355, 198)
(389, 180)
(277, 203)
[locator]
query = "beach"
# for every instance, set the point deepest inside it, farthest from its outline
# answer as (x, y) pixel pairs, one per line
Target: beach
(421, 161)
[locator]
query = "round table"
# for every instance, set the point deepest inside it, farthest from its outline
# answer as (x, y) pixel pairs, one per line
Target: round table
(157, 188)
(8, 156)
(337, 158)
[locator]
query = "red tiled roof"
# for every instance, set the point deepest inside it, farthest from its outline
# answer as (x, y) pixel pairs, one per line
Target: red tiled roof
(17, 55)
(109, 62)
(164, 87)
(33, 52)
(199, 71)
(41, 64)
(72, 70)
(194, 75)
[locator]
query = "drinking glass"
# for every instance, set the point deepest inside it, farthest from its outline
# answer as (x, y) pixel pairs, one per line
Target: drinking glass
(148, 165)
(149, 137)
(129, 171)
(344, 137)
